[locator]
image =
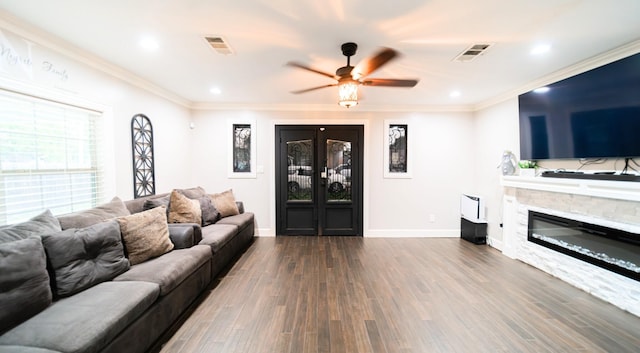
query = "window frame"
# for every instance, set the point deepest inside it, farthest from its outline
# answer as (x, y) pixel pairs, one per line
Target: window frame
(387, 174)
(251, 173)
(105, 150)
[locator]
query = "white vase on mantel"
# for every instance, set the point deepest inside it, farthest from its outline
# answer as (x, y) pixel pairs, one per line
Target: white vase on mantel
(528, 172)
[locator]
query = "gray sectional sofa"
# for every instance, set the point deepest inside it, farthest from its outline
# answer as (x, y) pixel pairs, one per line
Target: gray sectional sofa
(90, 282)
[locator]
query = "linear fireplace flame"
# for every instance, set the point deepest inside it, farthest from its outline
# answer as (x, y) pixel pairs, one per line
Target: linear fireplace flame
(613, 249)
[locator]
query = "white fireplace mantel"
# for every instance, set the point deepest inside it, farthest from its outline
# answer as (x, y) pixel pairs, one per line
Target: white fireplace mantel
(620, 190)
(609, 203)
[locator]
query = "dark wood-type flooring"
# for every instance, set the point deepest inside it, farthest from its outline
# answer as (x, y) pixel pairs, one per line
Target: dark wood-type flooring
(352, 294)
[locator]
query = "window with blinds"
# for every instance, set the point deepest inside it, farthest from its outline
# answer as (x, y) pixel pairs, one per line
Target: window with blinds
(49, 157)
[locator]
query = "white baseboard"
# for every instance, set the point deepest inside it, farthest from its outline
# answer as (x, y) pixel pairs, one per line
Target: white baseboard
(412, 233)
(387, 233)
(494, 243)
(265, 232)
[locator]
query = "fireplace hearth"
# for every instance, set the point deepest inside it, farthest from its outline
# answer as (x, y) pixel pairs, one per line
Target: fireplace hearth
(613, 249)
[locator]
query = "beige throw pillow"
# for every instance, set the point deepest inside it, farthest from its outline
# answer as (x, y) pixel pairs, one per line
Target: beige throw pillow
(225, 203)
(145, 234)
(184, 210)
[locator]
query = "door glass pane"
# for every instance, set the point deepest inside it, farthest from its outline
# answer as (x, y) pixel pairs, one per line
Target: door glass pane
(299, 170)
(339, 170)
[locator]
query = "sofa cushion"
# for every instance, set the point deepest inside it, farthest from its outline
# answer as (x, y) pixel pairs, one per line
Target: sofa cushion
(81, 258)
(225, 203)
(87, 321)
(145, 235)
(114, 208)
(241, 220)
(168, 270)
(217, 235)
(24, 281)
(183, 209)
(40, 224)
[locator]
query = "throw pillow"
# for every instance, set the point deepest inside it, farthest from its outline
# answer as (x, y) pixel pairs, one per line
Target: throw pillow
(40, 224)
(156, 202)
(82, 258)
(24, 281)
(114, 208)
(225, 203)
(194, 193)
(145, 234)
(184, 210)
(210, 214)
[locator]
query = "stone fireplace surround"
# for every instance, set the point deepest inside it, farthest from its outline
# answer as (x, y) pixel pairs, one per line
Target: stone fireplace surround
(613, 204)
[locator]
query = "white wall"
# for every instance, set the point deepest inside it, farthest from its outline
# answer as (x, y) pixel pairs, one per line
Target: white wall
(26, 61)
(443, 149)
(497, 130)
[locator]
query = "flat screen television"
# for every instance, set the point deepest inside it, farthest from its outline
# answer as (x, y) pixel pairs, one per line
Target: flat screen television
(595, 114)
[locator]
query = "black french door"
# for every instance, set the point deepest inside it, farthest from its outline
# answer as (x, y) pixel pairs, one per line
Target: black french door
(319, 179)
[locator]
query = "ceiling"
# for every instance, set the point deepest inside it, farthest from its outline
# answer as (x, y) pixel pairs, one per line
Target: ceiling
(266, 34)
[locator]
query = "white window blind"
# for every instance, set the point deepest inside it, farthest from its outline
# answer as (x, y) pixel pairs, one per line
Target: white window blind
(50, 157)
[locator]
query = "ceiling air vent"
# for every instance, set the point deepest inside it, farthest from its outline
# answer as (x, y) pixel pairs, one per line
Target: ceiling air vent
(219, 45)
(472, 52)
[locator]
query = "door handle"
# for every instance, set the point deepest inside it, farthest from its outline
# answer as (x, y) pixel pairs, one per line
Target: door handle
(323, 174)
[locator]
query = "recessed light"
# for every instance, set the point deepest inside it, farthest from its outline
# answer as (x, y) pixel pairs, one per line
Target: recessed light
(454, 94)
(215, 90)
(541, 90)
(149, 43)
(540, 49)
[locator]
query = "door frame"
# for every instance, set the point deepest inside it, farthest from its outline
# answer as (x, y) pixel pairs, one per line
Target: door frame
(366, 124)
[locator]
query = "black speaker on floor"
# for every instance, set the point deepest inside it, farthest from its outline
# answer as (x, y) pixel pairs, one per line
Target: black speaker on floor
(473, 232)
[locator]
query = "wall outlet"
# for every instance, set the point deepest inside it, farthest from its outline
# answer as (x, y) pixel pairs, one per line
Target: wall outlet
(432, 218)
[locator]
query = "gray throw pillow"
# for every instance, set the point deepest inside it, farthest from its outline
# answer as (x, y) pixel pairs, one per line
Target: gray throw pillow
(81, 258)
(24, 281)
(210, 214)
(113, 209)
(40, 224)
(156, 202)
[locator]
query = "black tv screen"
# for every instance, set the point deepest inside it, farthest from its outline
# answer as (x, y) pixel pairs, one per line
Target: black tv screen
(595, 114)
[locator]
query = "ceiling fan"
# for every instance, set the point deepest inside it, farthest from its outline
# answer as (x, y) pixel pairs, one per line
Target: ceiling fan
(350, 77)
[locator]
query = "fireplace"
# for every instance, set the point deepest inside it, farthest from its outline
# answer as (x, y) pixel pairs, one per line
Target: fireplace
(612, 249)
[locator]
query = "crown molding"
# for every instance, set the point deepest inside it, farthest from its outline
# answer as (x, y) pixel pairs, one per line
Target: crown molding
(331, 107)
(575, 69)
(49, 41)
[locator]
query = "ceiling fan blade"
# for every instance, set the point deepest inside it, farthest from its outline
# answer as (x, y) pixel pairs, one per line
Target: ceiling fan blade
(305, 67)
(372, 63)
(389, 82)
(312, 88)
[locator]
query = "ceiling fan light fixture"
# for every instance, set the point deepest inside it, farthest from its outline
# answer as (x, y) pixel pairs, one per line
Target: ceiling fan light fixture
(348, 94)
